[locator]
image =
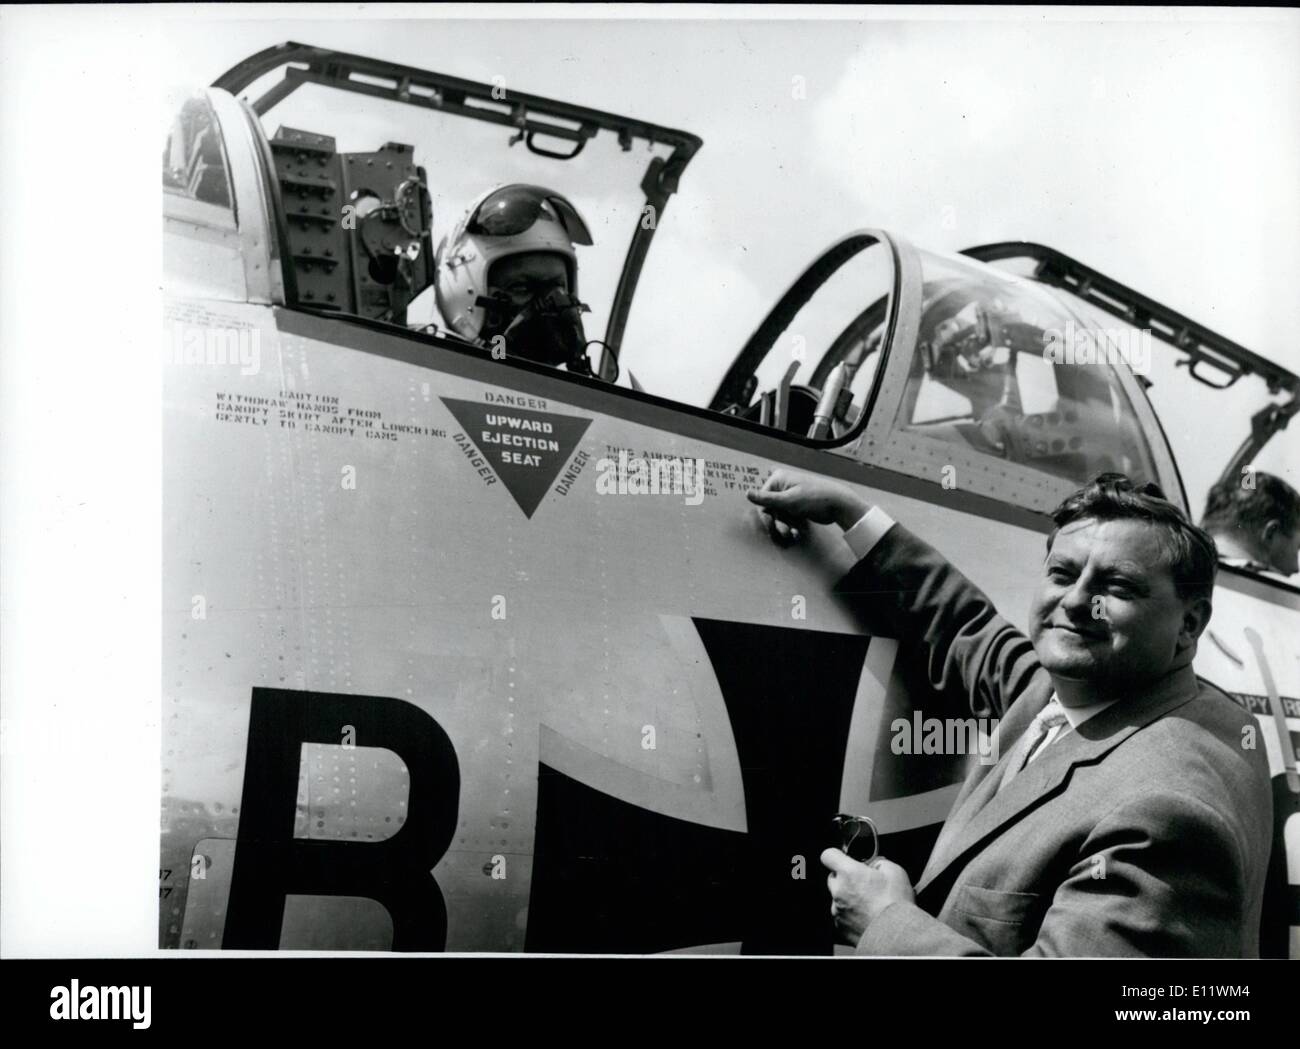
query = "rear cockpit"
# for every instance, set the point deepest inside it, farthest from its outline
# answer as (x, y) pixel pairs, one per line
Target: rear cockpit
(362, 222)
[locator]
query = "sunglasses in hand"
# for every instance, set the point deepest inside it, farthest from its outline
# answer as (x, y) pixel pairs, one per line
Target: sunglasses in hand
(857, 836)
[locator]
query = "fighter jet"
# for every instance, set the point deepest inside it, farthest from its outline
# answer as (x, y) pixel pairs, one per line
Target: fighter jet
(435, 681)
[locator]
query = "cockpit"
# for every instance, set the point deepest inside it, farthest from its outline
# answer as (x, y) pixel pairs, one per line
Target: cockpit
(937, 366)
(990, 374)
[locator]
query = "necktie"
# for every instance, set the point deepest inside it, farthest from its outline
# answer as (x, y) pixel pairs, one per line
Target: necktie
(1046, 719)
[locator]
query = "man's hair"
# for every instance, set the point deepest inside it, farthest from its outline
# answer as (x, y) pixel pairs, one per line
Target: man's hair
(1233, 507)
(1190, 552)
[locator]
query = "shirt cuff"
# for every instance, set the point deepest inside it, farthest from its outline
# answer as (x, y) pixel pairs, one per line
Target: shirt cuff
(868, 531)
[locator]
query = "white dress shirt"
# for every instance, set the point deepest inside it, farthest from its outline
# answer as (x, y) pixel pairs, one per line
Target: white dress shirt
(1074, 716)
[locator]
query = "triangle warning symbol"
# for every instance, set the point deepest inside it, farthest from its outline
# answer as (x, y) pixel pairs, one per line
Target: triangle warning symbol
(525, 448)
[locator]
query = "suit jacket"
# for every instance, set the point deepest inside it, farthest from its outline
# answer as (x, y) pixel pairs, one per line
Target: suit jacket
(1145, 831)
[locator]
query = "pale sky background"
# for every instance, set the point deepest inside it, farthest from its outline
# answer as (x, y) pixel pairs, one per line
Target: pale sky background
(1162, 149)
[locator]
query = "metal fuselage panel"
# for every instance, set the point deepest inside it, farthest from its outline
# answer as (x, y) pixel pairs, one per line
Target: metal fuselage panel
(358, 530)
(334, 526)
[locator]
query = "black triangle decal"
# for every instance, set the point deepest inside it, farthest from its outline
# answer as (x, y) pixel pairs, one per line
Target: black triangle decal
(525, 448)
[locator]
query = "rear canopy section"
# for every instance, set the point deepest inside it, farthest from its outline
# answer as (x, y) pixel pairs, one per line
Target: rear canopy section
(388, 261)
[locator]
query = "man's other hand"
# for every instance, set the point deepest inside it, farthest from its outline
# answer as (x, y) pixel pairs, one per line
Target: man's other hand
(860, 891)
(790, 500)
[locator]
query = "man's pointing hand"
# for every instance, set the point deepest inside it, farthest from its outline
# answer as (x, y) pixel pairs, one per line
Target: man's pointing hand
(789, 501)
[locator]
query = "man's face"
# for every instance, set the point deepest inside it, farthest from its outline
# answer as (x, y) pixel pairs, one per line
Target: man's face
(1107, 610)
(521, 278)
(552, 334)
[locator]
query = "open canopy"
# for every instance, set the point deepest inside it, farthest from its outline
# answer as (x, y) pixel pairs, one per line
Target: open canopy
(463, 132)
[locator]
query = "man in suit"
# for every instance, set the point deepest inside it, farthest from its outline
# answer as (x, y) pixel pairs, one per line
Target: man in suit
(1130, 812)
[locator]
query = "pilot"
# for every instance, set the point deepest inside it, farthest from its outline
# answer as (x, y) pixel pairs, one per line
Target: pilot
(1255, 521)
(507, 276)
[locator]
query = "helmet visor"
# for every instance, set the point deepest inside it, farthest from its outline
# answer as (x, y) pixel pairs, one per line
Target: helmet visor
(511, 210)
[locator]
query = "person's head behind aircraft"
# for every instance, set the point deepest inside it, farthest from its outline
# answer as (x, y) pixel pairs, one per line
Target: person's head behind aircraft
(1256, 517)
(508, 275)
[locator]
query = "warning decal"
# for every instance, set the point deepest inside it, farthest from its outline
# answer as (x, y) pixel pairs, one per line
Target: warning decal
(525, 448)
